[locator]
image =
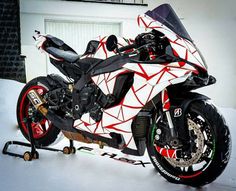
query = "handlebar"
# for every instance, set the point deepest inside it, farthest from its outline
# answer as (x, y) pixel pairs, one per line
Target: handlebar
(128, 47)
(140, 41)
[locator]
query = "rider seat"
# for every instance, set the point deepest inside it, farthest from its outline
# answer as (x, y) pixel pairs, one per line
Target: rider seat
(60, 50)
(68, 55)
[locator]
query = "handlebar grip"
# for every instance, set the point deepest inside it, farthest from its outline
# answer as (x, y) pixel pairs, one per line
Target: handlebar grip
(124, 48)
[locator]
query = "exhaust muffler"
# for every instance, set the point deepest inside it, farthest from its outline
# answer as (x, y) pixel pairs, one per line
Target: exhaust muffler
(39, 104)
(37, 101)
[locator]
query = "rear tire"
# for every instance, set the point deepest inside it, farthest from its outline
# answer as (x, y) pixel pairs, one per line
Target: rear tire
(216, 152)
(44, 132)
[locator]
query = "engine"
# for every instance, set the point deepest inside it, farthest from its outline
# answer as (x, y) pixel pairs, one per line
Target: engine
(90, 99)
(85, 101)
(59, 100)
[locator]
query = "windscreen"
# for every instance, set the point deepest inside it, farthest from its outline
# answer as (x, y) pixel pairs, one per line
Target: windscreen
(167, 16)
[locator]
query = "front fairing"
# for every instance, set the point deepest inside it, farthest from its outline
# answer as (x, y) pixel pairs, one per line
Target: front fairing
(165, 20)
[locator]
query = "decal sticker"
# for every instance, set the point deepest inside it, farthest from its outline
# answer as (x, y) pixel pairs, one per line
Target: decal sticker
(177, 112)
(113, 156)
(164, 171)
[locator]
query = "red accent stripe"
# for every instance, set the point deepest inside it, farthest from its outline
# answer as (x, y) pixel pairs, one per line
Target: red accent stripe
(150, 24)
(132, 107)
(160, 77)
(132, 88)
(191, 176)
(96, 127)
(126, 145)
(144, 72)
(167, 106)
(172, 74)
(143, 22)
(101, 81)
(123, 72)
(108, 77)
(181, 64)
(181, 68)
(113, 116)
(186, 55)
(170, 153)
(145, 75)
(150, 94)
(154, 27)
(138, 20)
(122, 113)
(175, 53)
(140, 88)
(112, 127)
(101, 44)
(177, 43)
(107, 85)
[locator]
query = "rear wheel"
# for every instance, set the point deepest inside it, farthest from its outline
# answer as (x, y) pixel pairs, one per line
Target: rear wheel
(44, 132)
(209, 143)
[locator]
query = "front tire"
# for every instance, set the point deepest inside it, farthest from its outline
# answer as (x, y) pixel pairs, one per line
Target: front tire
(44, 131)
(212, 150)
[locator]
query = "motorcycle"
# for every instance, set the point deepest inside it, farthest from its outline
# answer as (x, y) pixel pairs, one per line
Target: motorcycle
(131, 95)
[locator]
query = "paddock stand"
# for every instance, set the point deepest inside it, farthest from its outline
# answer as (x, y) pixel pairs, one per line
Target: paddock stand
(33, 154)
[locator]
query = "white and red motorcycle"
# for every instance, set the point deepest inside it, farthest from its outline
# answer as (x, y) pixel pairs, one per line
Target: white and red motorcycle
(133, 95)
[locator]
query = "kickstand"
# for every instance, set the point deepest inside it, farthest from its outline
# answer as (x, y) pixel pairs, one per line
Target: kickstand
(33, 154)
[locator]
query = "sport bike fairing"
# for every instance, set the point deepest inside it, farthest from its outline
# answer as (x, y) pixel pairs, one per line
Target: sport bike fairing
(149, 79)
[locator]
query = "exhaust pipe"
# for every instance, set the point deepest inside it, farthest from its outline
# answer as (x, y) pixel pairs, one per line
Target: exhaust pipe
(38, 102)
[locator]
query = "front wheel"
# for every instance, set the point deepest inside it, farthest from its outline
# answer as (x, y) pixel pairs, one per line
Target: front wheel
(210, 146)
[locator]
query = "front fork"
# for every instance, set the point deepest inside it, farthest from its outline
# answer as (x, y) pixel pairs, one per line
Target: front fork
(166, 109)
(175, 142)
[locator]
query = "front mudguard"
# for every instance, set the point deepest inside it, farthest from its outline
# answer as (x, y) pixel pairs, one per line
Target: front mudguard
(179, 109)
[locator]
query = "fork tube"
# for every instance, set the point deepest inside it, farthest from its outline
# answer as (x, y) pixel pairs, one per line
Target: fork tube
(166, 108)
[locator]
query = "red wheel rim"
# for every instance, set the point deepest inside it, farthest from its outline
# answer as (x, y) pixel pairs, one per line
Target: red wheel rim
(39, 128)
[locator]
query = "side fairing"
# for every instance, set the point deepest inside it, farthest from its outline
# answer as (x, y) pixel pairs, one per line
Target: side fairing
(149, 80)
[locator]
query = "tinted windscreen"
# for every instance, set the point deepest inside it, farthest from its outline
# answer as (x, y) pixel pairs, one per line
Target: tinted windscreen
(167, 16)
